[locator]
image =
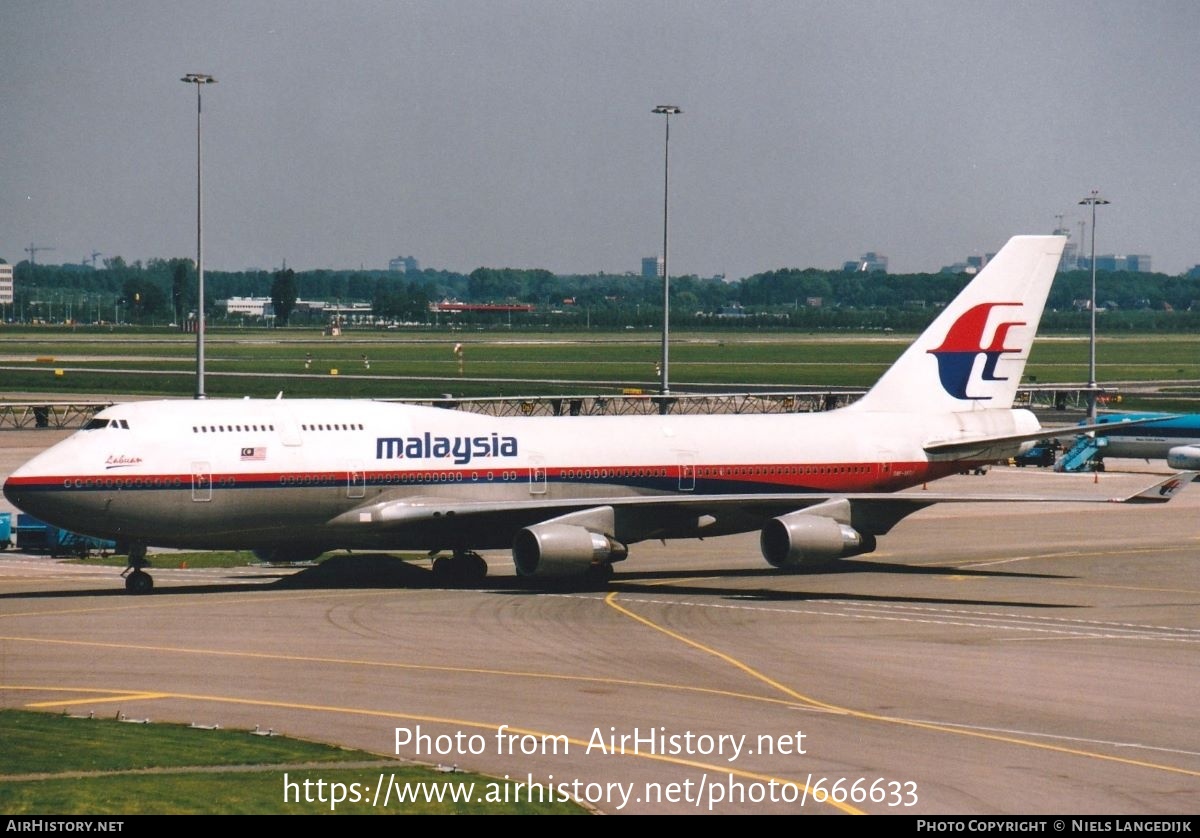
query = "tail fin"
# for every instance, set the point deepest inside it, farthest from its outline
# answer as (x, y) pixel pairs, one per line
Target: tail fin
(972, 356)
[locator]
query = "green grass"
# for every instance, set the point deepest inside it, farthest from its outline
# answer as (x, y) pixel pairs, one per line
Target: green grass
(424, 365)
(202, 559)
(53, 764)
(35, 743)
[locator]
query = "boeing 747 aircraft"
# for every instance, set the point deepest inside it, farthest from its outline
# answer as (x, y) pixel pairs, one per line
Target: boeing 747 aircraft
(293, 479)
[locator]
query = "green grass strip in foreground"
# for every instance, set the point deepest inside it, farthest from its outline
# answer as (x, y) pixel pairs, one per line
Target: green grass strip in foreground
(52, 764)
(199, 559)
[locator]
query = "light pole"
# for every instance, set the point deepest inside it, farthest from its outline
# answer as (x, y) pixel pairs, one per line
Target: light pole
(1093, 200)
(199, 79)
(666, 111)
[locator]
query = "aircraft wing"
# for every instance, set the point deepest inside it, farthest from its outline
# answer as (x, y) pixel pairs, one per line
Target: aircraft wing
(1159, 492)
(401, 512)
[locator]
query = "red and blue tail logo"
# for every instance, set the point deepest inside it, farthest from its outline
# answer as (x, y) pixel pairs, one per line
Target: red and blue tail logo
(964, 342)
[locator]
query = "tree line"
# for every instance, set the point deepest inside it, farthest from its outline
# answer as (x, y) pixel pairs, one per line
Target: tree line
(164, 290)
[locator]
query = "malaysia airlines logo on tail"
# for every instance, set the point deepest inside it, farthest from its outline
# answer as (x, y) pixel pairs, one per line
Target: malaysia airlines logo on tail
(1169, 488)
(964, 343)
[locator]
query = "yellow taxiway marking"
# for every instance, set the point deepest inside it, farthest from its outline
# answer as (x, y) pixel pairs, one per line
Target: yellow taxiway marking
(160, 600)
(891, 720)
(490, 727)
(385, 664)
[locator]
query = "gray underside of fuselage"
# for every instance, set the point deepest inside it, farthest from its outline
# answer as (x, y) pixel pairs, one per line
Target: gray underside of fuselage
(250, 518)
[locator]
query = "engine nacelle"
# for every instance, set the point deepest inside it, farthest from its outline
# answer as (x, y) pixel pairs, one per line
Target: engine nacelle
(1184, 457)
(801, 538)
(558, 550)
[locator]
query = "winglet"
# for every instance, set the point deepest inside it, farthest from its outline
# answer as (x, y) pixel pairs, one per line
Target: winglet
(1163, 490)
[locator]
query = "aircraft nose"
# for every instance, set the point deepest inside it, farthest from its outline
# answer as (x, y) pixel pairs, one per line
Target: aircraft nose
(16, 488)
(12, 492)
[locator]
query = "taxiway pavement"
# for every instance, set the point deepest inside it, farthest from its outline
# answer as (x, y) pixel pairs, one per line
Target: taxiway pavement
(987, 659)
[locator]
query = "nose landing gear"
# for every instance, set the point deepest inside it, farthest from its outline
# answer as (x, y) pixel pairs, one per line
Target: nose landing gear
(137, 581)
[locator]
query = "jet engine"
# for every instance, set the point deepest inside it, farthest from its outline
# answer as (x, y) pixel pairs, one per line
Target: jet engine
(559, 550)
(1184, 457)
(801, 538)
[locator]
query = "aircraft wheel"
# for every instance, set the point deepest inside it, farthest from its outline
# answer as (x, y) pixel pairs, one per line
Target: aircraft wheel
(443, 570)
(139, 582)
(474, 567)
(460, 570)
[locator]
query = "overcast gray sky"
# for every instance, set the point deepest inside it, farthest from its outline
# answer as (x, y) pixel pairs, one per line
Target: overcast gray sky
(518, 133)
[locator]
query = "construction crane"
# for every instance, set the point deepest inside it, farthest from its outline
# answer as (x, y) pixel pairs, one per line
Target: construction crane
(92, 260)
(33, 249)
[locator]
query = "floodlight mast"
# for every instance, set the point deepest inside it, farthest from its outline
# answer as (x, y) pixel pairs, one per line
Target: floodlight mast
(666, 111)
(199, 79)
(1093, 200)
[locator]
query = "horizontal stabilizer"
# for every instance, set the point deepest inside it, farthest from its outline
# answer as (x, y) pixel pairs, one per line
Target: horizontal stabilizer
(1164, 490)
(972, 446)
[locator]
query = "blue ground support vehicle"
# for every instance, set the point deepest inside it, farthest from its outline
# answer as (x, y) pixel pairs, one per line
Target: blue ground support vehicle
(1042, 454)
(34, 536)
(5, 530)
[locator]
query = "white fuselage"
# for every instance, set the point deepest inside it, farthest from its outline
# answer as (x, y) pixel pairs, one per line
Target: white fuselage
(248, 473)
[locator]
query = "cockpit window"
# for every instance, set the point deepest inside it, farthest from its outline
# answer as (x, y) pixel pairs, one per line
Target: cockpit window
(96, 424)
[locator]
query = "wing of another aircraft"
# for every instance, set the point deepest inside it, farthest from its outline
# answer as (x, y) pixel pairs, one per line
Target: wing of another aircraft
(982, 444)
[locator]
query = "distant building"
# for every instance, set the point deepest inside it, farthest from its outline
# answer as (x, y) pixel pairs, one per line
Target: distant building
(6, 284)
(339, 312)
(651, 267)
(868, 263)
(455, 307)
(1110, 262)
(970, 266)
(249, 306)
(1069, 260)
(1138, 263)
(404, 265)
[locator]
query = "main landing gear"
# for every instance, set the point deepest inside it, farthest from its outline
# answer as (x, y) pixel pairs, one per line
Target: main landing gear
(462, 569)
(137, 581)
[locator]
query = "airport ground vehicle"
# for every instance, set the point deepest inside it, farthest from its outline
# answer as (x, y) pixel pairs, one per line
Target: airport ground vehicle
(35, 536)
(1042, 454)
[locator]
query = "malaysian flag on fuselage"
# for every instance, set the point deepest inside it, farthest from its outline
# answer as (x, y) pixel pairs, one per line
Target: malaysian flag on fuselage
(254, 453)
